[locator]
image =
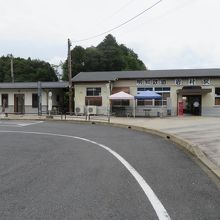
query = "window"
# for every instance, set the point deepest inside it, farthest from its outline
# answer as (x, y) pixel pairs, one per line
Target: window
(5, 100)
(217, 96)
(162, 101)
(93, 92)
(145, 102)
(97, 101)
(163, 91)
(34, 100)
(145, 89)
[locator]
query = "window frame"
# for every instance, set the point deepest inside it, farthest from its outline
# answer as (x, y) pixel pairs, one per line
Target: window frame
(94, 91)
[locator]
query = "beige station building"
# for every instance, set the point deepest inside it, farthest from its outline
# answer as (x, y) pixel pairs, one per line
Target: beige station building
(183, 91)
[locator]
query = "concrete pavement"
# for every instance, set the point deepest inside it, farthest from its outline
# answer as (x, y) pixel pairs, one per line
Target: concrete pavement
(199, 135)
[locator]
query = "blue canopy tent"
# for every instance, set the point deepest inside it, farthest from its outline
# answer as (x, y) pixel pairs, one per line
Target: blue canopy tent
(146, 95)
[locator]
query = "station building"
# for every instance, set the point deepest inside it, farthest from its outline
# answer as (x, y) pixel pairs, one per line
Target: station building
(192, 91)
(23, 97)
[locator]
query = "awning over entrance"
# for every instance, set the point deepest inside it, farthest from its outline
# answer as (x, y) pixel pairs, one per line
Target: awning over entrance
(196, 90)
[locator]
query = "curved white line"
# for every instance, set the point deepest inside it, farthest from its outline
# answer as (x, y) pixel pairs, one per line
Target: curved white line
(155, 202)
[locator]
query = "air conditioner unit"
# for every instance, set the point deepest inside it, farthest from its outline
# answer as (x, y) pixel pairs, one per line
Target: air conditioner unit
(79, 110)
(91, 110)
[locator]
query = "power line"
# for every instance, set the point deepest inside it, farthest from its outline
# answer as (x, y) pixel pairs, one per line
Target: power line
(124, 23)
(120, 9)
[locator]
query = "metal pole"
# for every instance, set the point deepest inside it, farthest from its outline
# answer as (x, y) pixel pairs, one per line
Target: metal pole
(70, 78)
(39, 98)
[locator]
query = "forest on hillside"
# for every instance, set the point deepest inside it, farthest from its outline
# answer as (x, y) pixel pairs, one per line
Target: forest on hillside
(106, 56)
(26, 70)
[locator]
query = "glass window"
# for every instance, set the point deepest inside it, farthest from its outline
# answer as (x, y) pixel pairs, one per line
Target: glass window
(145, 102)
(93, 91)
(162, 89)
(217, 91)
(217, 96)
(217, 100)
(34, 100)
(144, 89)
(5, 100)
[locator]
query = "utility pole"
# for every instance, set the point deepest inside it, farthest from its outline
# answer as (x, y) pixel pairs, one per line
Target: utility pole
(70, 78)
(39, 95)
(12, 68)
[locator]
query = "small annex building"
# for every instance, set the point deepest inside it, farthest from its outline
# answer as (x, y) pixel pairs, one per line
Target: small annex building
(192, 91)
(22, 97)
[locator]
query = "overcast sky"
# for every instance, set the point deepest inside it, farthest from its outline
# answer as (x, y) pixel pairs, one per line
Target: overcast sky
(174, 34)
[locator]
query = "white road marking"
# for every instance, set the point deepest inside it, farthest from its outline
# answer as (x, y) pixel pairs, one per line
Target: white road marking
(161, 212)
(10, 125)
(19, 124)
(31, 123)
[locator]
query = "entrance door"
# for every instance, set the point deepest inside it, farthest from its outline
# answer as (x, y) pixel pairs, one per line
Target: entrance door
(19, 103)
(192, 104)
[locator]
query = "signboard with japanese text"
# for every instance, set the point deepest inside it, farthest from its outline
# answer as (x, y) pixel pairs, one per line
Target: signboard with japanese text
(206, 82)
(178, 82)
(147, 82)
(191, 81)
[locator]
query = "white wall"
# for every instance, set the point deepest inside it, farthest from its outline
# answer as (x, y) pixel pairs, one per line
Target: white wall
(28, 98)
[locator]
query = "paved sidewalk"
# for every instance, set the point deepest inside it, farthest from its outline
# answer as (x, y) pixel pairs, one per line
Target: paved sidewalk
(202, 132)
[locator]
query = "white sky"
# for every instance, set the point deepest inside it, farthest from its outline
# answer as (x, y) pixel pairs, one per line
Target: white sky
(174, 34)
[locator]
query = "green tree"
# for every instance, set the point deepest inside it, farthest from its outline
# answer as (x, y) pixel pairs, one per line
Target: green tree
(107, 56)
(112, 56)
(78, 61)
(93, 60)
(26, 70)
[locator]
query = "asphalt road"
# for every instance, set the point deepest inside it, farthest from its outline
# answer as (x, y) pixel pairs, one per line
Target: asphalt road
(48, 171)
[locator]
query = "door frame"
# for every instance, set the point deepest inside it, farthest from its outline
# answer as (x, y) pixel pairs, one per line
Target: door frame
(16, 102)
(196, 111)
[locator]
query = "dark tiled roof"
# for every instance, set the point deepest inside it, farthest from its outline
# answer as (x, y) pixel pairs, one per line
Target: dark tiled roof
(114, 75)
(33, 85)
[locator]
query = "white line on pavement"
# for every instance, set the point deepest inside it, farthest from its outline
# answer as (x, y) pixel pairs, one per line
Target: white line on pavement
(31, 123)
(155, 202)
(10, 125)
(19, 124)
